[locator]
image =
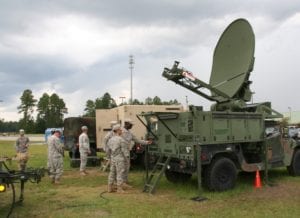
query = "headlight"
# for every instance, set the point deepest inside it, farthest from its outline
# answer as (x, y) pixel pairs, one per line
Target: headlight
(2, 187)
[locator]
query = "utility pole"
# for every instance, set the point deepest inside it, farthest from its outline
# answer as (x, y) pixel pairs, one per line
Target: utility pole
(122, 97)
(131, 63)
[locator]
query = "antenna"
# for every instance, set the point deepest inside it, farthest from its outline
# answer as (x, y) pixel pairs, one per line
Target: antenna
(131, 63)
(232, 63)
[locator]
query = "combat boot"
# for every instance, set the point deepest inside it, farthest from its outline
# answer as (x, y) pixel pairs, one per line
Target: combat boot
(126, 186)
(82, 173)
(120, 190)
(110, 189)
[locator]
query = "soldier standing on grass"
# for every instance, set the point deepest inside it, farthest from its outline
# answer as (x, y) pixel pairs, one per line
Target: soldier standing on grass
(105, 143)
(22, 145)
(108, 136)
(129, 137)
(118, 153)
(55, 157)
(84, 149)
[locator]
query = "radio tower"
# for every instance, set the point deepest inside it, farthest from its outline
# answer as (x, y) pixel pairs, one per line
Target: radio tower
(131, 63)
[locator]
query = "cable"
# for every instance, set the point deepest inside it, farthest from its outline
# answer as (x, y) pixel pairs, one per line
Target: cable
(104, 198)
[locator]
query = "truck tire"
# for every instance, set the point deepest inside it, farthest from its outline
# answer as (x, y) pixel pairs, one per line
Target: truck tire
(176, 177)
(294, 168)
(220, 175)
(76, 155)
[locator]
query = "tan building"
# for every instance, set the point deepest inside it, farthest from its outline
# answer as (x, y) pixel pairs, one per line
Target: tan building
(119, 114)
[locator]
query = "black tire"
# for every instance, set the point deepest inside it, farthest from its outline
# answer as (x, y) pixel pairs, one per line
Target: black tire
(294, 168)
(176, 177)
(74, 163)
(220, 175)
(74, 155)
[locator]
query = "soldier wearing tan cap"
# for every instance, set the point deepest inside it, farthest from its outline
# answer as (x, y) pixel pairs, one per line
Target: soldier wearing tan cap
(128, 136)
(21, 146)
(118, 153)
(84, 149)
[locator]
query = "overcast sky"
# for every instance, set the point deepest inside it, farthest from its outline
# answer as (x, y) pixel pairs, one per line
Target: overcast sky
(79, 48)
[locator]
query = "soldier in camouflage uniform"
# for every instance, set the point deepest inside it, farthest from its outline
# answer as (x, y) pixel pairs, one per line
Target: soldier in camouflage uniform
(119, 153)
(129, 137)
(106, 162)
(84, 149)
(21, 146)
(55, 157)
(108, 136)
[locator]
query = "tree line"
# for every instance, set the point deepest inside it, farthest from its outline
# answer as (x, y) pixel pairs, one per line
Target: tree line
(49, 110)
(107, 102)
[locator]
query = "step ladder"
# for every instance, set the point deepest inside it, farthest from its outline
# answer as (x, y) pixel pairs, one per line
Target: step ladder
(156, 173)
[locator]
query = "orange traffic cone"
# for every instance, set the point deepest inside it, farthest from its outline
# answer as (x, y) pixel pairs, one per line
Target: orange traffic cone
(257, 182)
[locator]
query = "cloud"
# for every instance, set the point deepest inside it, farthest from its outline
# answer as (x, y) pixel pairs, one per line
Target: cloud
(79, 49)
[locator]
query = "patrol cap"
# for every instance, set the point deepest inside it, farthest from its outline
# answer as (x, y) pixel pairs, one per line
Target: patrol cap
(57, 130)
(84, 128)
(113, 122)
(128, 120)
(116, 127)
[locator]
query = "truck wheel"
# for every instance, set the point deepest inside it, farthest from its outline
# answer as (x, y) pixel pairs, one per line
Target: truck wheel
(294, 168)
(220, 175)
(176, 177)
(76, 155)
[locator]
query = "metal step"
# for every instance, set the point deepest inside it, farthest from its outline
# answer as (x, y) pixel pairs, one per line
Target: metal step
(156, 174)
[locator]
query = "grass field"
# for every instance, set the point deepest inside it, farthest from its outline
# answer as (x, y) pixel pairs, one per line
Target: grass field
(80, 196)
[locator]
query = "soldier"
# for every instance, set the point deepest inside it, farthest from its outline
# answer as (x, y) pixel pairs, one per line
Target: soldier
(119, 153)
(129, 137)
(84, 149)
(108, 136)
(52, 133)
(106, 163)
(21, 146)
(55, 157)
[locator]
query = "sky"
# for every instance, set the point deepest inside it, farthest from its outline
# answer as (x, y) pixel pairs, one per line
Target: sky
(79, 49)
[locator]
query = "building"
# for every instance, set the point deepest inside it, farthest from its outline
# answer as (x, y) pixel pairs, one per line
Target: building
(119, 114)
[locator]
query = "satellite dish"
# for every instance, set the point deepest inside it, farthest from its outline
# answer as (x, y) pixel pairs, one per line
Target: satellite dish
(233, 58)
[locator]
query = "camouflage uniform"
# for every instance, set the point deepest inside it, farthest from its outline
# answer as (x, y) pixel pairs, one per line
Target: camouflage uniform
(119, 153)
(107, 137)
(22, 144)
(84, 149)
(129, 137)
(55, 158)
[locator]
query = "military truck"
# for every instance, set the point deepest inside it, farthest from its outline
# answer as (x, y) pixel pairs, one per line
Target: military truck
(72, 131)
(233, 136)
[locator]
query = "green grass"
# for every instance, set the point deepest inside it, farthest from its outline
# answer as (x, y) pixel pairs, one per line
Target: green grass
(80, 196)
